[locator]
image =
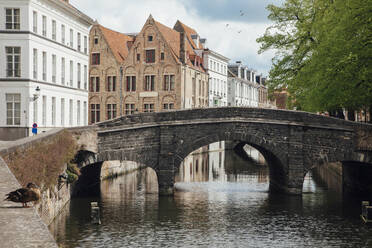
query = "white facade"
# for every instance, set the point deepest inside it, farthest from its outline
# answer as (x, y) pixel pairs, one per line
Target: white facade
(242, 86)
(216, 66)
(51, 42)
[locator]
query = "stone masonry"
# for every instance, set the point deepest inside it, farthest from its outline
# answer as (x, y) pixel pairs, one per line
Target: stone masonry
(292, 142)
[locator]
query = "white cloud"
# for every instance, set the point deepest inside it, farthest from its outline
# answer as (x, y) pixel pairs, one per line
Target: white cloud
(128, 16)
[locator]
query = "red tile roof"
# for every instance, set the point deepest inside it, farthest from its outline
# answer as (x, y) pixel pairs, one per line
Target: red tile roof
(190, 31)
(173, 39)
(119, 43)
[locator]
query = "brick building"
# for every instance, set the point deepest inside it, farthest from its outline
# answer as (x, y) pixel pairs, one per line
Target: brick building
(108, 50)
(160, 71)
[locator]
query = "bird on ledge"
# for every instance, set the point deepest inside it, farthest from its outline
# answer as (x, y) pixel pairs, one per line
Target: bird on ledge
(29, 194)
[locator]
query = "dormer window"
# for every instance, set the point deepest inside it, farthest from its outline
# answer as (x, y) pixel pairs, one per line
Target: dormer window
(150, 38)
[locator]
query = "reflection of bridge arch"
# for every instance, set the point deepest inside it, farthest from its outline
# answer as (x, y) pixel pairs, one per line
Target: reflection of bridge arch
(292, 142)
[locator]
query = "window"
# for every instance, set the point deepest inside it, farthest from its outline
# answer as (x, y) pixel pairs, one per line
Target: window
(44, 26)
(44, 110)
(54, 68)
(35, 64)
(79, 75)
(13, 109)
(79, 42)
(78, 113)
(96, 40)
(85, 77)
(13, 60)
(150, 56)
(71, 73)
(44, 66)
(54, 30)
(94, 84)
(138, 57)
(168, 106)
(62, 112)
(12, 19)
(131, 83)
(168, 82)
(53, 111)
(35, 120)
(95, 59)
(95, 113)
(111, 83)
(71, 113)
(129, 108)
(34, 21)
(63, 71)
(63, 34)
(148, 107)
(150, 38)
(85, 45)
(85, 114)
(111, 111)
(161, 56)
(149, 83)
(71, 38)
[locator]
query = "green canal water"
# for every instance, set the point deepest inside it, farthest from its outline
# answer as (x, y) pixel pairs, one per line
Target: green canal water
(221, 201)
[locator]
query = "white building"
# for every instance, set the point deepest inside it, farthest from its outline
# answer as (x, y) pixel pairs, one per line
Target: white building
(44, 65)
(243, 90)
(216, 67)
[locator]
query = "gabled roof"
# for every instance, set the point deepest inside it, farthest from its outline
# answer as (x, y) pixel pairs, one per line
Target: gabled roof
(119, 43)
(190, 31)
(172, 37)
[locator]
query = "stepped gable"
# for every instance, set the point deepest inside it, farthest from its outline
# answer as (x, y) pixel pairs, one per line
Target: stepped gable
(119, 43)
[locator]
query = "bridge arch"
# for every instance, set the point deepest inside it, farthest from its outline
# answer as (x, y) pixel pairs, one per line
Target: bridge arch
(292, 141)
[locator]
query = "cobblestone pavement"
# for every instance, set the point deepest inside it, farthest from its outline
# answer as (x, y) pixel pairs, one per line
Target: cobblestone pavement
(19, 227)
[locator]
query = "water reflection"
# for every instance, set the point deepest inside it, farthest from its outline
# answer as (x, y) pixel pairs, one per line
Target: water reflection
(221, 201)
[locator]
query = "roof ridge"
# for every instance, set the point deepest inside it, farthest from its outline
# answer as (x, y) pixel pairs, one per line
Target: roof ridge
(117, 42)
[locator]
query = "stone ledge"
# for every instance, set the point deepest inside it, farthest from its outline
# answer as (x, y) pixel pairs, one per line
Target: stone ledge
(20, 227)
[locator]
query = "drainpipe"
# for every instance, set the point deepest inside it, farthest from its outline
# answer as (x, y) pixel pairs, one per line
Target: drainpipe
(121, 91)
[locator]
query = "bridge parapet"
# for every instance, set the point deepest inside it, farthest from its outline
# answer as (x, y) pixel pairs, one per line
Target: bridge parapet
(283, 116)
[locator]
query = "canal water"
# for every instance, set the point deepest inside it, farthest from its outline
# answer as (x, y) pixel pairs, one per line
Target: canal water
(221, 201)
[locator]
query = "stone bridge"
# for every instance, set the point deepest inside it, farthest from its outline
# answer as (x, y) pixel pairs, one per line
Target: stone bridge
(292, 142)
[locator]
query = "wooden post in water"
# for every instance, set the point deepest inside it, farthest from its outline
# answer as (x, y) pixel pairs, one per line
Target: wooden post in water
(94, 213)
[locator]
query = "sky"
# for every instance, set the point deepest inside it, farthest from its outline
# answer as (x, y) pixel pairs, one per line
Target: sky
(231, 27)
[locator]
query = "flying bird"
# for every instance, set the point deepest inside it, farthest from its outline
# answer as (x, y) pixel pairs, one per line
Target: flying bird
(29, 194)
(227, 25)
(240, 31)
(241, 13)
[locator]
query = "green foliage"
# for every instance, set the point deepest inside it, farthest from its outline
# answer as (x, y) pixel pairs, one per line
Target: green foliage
(324, 52)
(72, 173)
(71, 177)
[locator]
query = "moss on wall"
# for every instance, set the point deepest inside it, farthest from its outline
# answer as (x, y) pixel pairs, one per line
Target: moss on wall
(42, 162)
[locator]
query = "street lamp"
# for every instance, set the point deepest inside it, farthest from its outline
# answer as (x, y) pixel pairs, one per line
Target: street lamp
(36, 95)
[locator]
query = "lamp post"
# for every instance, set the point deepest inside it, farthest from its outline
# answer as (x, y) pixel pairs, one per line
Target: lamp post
(32, 99)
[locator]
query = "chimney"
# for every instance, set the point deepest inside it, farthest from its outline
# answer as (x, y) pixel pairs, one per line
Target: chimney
(183, 47)
(195, 38)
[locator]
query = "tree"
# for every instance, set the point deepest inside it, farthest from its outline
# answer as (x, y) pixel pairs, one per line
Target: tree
(324, 52)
